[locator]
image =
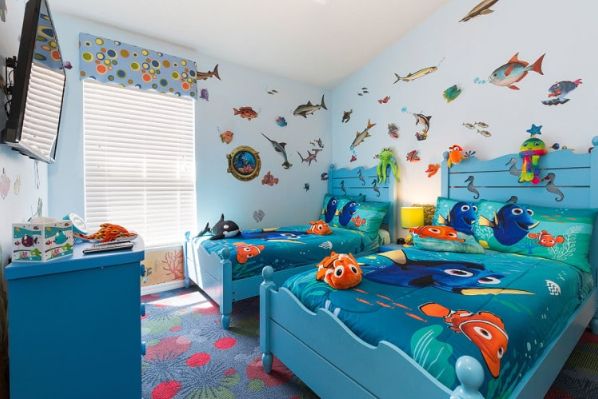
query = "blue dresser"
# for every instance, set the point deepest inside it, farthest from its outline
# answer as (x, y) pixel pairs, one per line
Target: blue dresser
(74, 326)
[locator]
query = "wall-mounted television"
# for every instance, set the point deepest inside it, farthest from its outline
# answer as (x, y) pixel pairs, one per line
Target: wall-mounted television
(38, 89)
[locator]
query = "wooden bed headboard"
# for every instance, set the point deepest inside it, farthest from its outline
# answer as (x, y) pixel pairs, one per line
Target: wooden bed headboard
(570, 181)
(364, 181)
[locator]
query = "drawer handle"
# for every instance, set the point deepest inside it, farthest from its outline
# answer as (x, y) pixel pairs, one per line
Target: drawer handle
(142, 348)
(143, 310)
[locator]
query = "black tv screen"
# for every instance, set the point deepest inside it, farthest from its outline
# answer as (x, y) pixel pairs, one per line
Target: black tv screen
(39, 80)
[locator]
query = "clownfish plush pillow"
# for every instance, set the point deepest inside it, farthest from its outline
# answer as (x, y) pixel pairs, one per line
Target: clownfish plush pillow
(340, 271)
(319, 227)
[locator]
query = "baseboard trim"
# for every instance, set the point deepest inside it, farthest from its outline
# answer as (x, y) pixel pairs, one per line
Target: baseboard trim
(157, 288)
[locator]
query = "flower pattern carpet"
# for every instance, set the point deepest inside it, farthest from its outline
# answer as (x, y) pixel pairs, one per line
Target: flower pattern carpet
(189, 356)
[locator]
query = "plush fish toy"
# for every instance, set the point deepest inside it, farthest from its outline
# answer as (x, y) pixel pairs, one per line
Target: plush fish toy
(531, 151)
(455, 155)
(345, 215)
(330, 210)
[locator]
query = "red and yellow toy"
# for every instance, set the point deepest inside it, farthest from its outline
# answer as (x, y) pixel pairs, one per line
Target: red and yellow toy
(319, 227)
(455, 155)
(340, 271)
(109, 232)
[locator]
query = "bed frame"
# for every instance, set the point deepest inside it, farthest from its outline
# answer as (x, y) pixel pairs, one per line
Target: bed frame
(213, 272)
(335, 363)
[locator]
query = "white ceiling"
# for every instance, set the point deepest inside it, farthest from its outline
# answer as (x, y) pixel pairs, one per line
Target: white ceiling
(314, 41)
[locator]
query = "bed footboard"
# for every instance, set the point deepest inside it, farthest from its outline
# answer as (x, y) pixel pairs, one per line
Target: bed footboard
(301, 339)
(212, 273)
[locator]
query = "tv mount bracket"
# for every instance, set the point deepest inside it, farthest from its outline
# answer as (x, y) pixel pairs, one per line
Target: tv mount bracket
(7, 85)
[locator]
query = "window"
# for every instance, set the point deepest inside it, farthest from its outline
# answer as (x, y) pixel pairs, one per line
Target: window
(139, 161)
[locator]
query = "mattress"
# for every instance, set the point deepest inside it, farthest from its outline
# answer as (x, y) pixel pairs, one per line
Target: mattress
(287, 247)
(503, 309)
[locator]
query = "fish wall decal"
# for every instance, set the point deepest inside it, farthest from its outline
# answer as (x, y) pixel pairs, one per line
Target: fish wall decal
(209, 74)
(483, 8)
(280, 148)
(514, 71)
(361, 136)
(309, 109)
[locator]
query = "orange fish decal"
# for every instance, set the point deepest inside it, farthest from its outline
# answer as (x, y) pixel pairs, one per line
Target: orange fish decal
(546, 239)
(227, 136)
(358, 221)
(486, 330)
(319, 227)
(439, 232)
(247, 251)
(433, 168)
(245, 112)
(340, 271)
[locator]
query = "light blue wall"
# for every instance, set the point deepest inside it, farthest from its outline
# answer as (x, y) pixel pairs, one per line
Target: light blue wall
(564, 31)
(217, 191)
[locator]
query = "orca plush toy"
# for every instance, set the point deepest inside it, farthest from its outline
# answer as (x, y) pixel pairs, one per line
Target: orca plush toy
(222, 229)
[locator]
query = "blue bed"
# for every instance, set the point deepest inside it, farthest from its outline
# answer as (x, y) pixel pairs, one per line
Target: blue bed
(327, 345)
(217, 271)
(382, 309)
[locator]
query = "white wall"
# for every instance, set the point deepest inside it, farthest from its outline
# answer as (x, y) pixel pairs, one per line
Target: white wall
(217, 191)
(565, 32)
(19, 204)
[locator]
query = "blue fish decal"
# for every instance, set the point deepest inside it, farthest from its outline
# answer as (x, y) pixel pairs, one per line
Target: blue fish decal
(347, 212)
(465, 278)
(558, 92)
(461, 217)
(281, 121)
(203, 94)
(330, 210)
(511, 223)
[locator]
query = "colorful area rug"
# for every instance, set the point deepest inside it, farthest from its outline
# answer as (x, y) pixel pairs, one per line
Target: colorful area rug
(190, 357)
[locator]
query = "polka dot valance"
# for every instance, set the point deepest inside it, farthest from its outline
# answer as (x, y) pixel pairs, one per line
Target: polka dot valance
(111, 61)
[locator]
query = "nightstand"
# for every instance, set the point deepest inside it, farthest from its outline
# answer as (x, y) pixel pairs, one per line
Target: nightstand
(74, 326)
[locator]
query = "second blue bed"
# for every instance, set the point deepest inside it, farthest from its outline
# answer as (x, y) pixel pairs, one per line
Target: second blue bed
(502, 309)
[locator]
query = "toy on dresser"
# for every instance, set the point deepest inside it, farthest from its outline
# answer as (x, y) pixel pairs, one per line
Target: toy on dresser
(42, 239)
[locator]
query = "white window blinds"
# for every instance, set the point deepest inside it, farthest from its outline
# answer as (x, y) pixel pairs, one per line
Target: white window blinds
(139, 161)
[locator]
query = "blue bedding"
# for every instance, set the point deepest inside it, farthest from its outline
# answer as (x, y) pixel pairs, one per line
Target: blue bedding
(503, 309)
(287, 247)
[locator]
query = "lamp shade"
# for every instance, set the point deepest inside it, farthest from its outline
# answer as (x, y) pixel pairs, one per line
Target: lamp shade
(412, 216)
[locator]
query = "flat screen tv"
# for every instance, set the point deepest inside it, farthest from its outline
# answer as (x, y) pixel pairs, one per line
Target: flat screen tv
(38, 90)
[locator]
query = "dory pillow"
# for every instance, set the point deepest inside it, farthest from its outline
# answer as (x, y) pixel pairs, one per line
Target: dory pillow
(334, 203)
(554, 233)
(466, 244)
(461, 215)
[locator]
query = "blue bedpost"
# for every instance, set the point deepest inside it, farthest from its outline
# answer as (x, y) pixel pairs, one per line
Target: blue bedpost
(226, 305)
(444, 176)
(594, 204)
(471, 375)
(265, 291)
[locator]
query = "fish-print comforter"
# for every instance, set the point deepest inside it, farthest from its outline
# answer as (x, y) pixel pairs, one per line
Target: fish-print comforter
(287, 247)
(503, 309)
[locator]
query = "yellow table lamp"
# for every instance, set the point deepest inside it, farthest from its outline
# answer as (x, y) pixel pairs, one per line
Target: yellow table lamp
(412, 216)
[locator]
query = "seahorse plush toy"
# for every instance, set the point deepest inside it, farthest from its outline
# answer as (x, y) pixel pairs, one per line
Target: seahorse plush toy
(531, 151)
